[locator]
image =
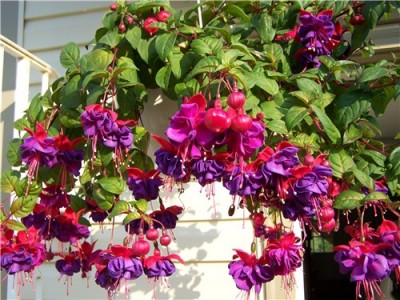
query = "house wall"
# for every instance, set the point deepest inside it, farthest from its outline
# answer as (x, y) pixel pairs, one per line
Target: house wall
(205, 241)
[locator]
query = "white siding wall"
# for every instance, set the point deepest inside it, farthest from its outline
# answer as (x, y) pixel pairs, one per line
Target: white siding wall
(205, 242)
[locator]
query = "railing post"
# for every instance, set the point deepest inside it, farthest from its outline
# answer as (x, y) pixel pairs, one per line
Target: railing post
(21, 98)
(45, 82)
(1, 75)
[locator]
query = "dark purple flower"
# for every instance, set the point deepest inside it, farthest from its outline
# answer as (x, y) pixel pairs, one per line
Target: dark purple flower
(246, 276)
(316, 31)
(52, 197)
(242, 182)
(163, 267)
(98, 216)
(16, 261)
(282, 161)
(68, 266)
(38, 150)
(207, 171)
(144, 185)
(170, 164)
(311, 184)
(167, 216)
(297, 207)
(104, 280)
(133, 226)
(127, 268)
(71, 160)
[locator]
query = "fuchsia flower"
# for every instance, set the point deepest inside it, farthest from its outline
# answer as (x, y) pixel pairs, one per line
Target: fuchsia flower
(38, 150)
(187, 131)
(371, 260)
(249, 271)
(284, 255)
(21, 253)
(69, 264)
(144, 185)
(166, 216)
(319, 35)
(243, 180)
(157, 266)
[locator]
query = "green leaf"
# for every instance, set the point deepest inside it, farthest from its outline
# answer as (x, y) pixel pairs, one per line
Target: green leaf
(205, 65)
(267, 84)
(270, 110)
(70, 118)
(120, 207)
(15, 225)
(348, 200)
(113, 185)
(140, 205)
(23, 206)
(376, 196)
(181, 63)
(133, 36)
(372, 73)
(277, 126)
(69, 55)
(14, 153)
(310, 87)
(22, 187)
(77, 203)
(350, 107)
(294, 116)
(200, 47)
(130, 217)
(163, 77)
(341, 162)
(35, 110)
(329, 128)
(70, 94)
(96, 60)
(9, 181)
(164, 44)
(264, 27)
(393, 171)
(104, 199)
(147, 50)
(363, 178)
(142, 138)
(94, 75)
(111, 38)
(352, 134)
(236, 11)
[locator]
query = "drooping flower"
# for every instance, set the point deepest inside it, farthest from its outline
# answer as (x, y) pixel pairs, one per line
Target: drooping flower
(207, 171)
(183, 128)
(157, 266)
(38, 150)
(69, 264)
(125, 267)
(284, 256)
(243, 180)
(249, 271)
(166, 216)
(366, 266)
(144, 185)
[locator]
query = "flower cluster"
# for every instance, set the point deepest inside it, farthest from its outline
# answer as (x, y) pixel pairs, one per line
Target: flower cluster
(102, 126)
(370, 256)
(41, 150)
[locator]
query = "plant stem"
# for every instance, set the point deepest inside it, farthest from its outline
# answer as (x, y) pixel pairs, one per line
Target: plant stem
(373, 147)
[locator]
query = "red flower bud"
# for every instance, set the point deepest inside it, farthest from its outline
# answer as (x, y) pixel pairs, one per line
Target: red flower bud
(152, 234)
(163, 15)
(141, 247)
(146, 24)
(236, 100)
(241, 123)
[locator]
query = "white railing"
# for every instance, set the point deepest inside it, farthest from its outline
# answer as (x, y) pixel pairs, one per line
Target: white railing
(25, 61)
